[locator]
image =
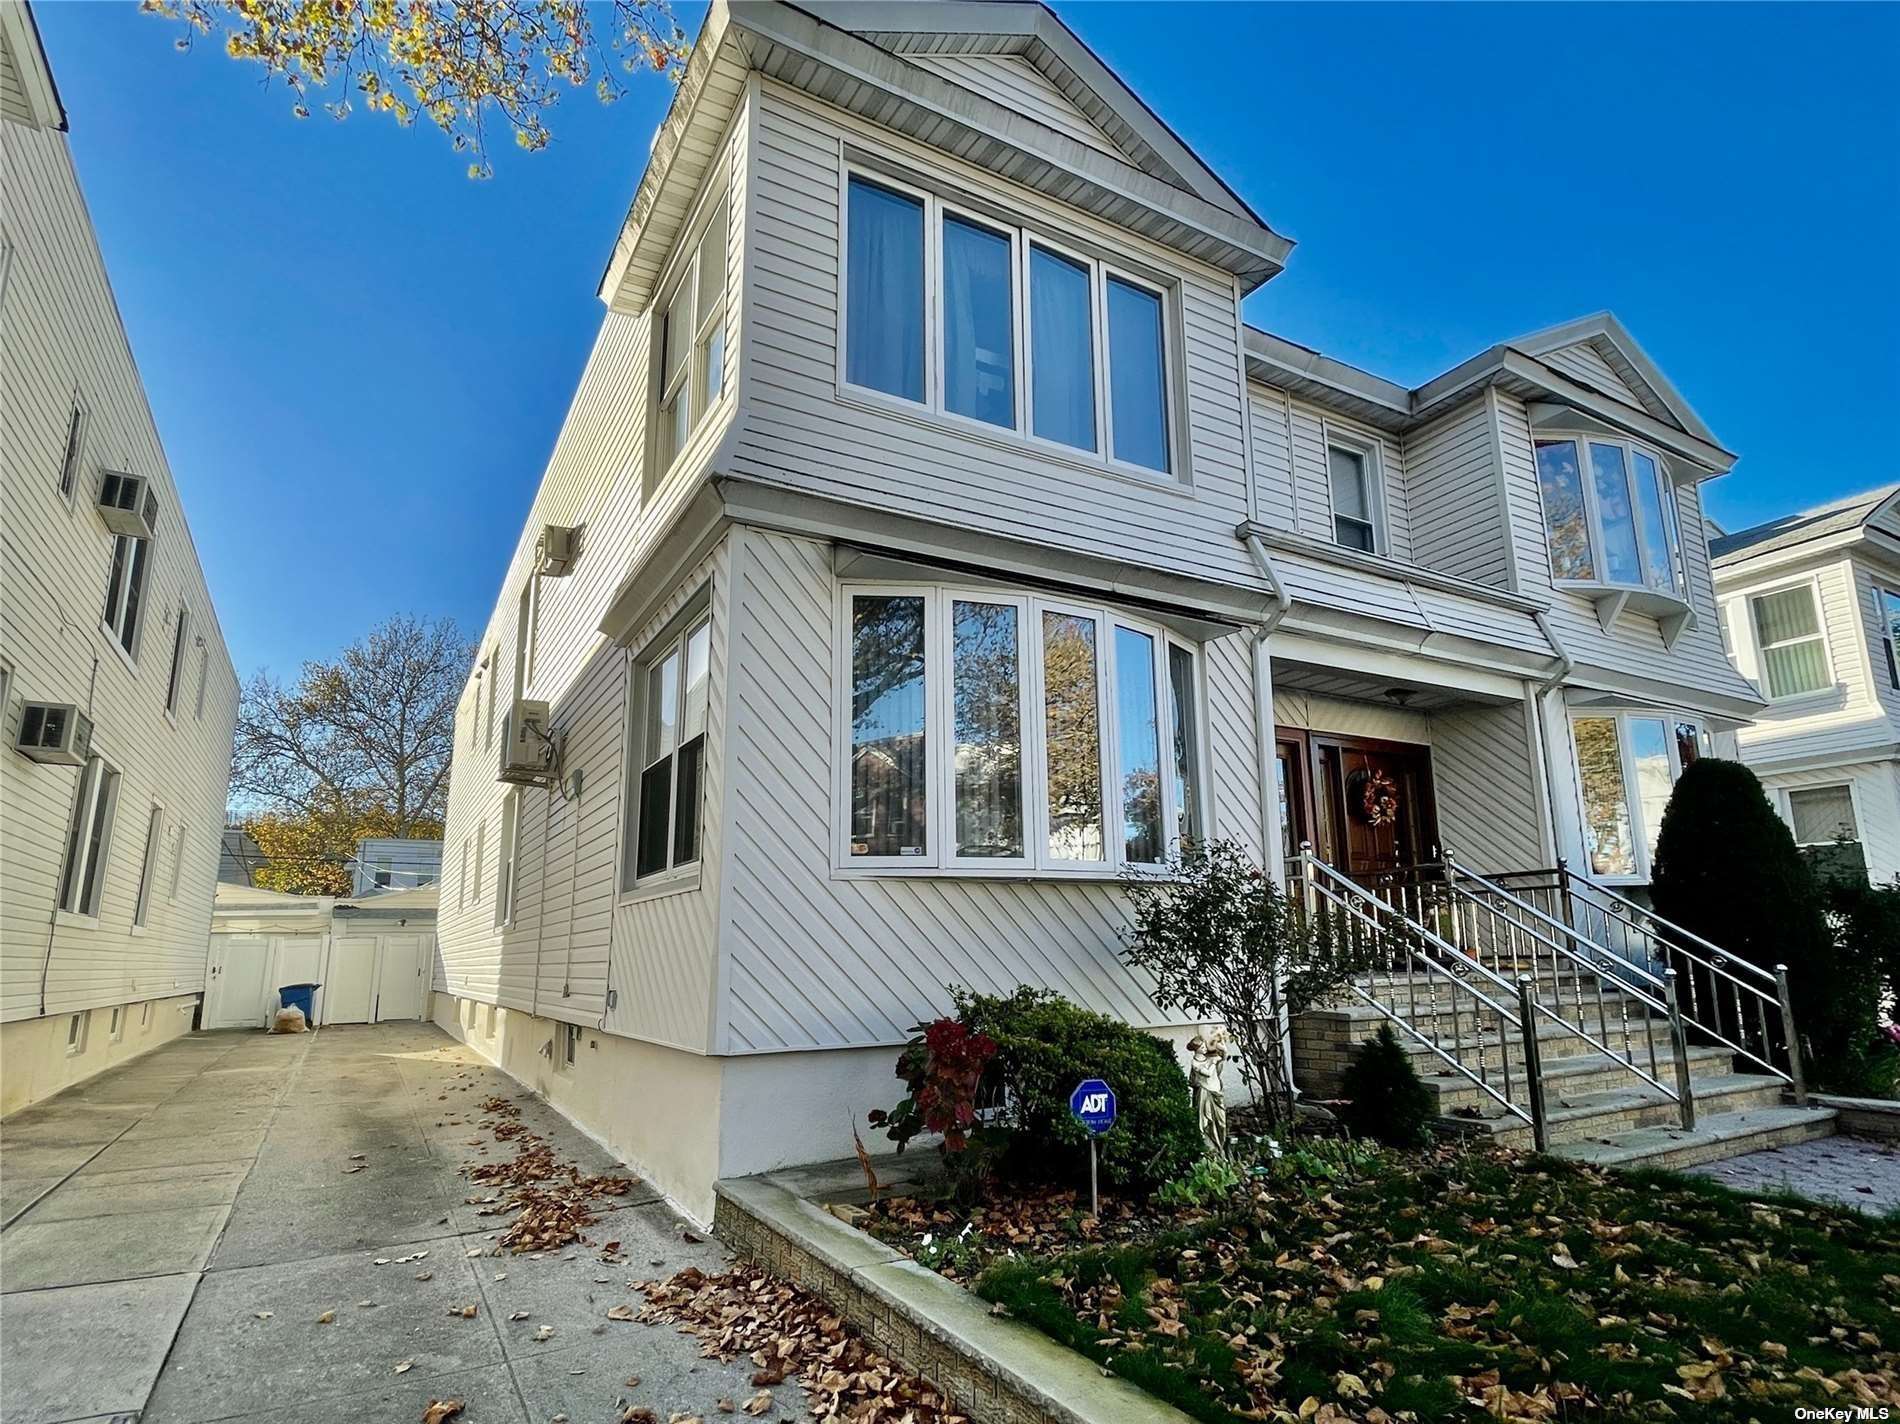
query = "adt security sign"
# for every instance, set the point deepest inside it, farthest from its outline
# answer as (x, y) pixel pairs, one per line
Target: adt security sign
(1093, 1105)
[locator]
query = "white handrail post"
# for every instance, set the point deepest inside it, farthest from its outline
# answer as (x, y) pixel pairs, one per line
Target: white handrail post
(1796, 1078)
(1679, 1050)
(1533, 1061)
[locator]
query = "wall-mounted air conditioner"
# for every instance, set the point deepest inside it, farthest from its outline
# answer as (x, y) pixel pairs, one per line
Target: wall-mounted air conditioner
(127, 504)
(54, 732)
(527, 747)
(560, 547)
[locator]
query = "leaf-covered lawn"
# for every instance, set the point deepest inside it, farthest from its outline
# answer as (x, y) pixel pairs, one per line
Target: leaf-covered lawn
(1464, 1286)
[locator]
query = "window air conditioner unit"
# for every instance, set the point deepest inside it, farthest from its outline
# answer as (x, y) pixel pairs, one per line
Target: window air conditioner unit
(127, 504)
(57, 733)
(527, 747)
(560, 547)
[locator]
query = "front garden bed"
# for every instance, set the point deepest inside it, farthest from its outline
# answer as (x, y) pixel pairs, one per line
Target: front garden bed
(1455, 1284)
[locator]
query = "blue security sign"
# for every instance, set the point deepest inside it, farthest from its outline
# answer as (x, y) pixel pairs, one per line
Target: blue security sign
(1093, 1105)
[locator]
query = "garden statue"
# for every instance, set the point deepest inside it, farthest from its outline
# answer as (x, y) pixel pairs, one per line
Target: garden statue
(1207, 1053)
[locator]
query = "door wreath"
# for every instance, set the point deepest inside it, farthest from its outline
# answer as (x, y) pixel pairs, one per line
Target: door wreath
(1375, 797)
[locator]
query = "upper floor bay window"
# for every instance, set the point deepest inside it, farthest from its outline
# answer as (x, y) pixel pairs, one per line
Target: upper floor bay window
(999, 326)
(668, 757)
(1610, 512)
(1790, 645)
(988, 731)
(692, 340)
(1627, 766)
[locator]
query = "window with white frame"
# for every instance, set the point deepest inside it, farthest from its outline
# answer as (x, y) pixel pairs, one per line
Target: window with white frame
(1610, 513)
(73, 457)
(1627, 766)
(115, 1031)
(89, 838)
(570, 1047)
(671, 690)
(461, 877)
(1348, 467)
(125, 590)
(178, 862)
(1887, 612)
(985, 322)
(76, 1027)
(148, 868)
(1822, 815)
(487, 688)
(691, 340)
(994, 731)
(481, 854)
(1789, 643)
(524, 635)
(181, 628)
(204, 675)
(509, 850)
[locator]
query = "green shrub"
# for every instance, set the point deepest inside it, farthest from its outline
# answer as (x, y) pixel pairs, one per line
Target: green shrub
(1386, 1101)
(1208, 1180)
(1045, 1046)
(1850, 1051)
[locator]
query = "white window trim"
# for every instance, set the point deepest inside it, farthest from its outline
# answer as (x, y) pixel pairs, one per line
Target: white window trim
(1626, 760)
(148, 867)
(113, 617)
(675, 879)
(1784, 803)
(682, 272)
(97, 778)
(1677, 562)
(567, 1048)
(1037, 862)
(175, 678)
(78, 1030)
(116, 1026)
(508, 869)
(1759, 667)
(1884, 634)
(1023, 237)
(76, 445)
(1370, 452)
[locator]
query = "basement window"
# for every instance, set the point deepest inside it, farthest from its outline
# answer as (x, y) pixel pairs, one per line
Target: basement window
(76, 1026)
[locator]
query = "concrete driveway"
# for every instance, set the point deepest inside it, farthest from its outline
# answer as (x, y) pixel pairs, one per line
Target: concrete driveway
(175, 1229)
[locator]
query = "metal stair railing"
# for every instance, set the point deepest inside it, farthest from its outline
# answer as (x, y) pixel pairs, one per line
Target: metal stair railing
(1724, 999)
(1402, 951)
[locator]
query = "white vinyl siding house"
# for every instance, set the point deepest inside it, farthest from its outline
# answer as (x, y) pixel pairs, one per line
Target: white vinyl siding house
(998, 560)
(108, 865)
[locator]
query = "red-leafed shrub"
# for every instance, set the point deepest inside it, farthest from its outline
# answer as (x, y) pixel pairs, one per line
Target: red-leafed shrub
(942, 1068)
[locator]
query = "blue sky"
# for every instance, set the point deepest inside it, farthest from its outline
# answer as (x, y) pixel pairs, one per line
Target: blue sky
(359, 359)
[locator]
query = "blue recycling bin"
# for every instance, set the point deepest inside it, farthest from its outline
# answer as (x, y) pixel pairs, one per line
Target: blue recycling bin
(300, 996)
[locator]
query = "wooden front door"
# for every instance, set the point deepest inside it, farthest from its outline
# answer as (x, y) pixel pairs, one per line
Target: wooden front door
(1365, 804)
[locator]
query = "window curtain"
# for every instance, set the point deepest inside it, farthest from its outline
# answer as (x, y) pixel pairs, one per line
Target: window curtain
(884, 292)
(1137, 392)
(979, 339)
(1062, 349)
(1800, 663)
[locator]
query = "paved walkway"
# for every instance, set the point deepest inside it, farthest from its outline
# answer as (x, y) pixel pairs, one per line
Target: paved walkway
(175, 1228)
(1850, 1171)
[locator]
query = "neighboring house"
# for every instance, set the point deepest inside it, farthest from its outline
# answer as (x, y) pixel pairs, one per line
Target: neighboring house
(119, 697)
(929, 539)
(1811, 604)
(239, 857)
(371, 954)
(395, 863)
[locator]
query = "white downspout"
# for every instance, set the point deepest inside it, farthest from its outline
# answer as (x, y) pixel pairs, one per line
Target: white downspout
(1538, 730)
(1263, 700)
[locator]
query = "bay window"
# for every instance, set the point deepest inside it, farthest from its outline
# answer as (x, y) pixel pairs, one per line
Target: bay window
(997, 732)
(1004, 328)
(668, 757)
(691, 340)
(1628, 763)
(1610, 514)
(1789, 642)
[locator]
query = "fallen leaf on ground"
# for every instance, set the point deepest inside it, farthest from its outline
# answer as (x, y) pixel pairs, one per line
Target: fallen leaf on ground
(759, 1402)
(328, 1317)
(263, 1314)
(621, 1312)
(404, 1366)
(440, 1410)
(467, 1312)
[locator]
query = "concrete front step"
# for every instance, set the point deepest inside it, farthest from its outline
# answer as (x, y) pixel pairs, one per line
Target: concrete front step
(1605, 1114)
(1570, 1075)
(1717, 1136)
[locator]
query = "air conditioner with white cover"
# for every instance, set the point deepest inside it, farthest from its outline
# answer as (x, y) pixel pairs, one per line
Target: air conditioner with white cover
(57, 733)
(560, 547)
(527, 747)
(127, 504)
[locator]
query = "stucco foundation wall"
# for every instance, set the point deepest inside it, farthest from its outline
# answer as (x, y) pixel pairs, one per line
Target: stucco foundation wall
(655, 1108)
(34, 1063)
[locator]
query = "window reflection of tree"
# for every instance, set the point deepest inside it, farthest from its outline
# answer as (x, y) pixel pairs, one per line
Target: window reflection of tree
(987, 692)
(1072, 723)
(1605, 799)
(888, 810)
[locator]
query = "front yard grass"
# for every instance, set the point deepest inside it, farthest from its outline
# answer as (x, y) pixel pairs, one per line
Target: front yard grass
(1460, 1285)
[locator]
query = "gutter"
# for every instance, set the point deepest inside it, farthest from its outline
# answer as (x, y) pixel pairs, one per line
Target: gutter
(1263, 698)
(1565, 663)
(1282, 600)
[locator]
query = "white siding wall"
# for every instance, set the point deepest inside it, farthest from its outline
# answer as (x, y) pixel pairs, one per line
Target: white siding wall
(813, 958)
(60, 332)
(1456, 504)
(1875, 787)
(799, 432)
(1292, 484)
(1018, 85)
(569, 944)
(1586, 363)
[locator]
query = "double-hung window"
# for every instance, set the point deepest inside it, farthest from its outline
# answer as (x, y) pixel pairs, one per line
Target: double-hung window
(73, 459)
(148, 868)
(1004, 327)
(125, 591)
(1610, 514)
(1789, 642)
(990, 731)
(1822, 815)
(180, 629)
(669, 761)
(1887, 615)
(692, 339)
(89, 839)
(1347, 468)
(1627, 766)
(505, 874)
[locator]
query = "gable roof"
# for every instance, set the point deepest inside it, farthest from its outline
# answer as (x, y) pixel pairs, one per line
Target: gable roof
(1611, 340)
(852, 55)
(1844, 516)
